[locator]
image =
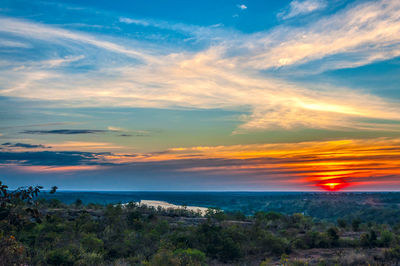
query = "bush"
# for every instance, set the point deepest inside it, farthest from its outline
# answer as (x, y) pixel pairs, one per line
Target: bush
(60, 257)
(90, 259)
(341, 223)
(11, 251)
(386, 238)
(393, 254)
(355, 224)
(164, 258)
(190, 257)
(92, 244)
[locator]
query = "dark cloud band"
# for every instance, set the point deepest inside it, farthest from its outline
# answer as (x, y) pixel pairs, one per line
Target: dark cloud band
(65, 131)
(24, 145)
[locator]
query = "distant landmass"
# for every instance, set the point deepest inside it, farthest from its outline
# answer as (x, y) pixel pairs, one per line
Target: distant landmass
(372, 206)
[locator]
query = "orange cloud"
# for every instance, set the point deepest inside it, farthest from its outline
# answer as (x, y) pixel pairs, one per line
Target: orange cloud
(330, 165)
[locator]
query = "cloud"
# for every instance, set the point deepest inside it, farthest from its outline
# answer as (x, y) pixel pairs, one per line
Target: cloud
(130, 133)
(54, 169)
(229, 74)
(48, 33)
(111, 128)
(87, 146)
(50, 158)
(356, 163)
(61, 61)
(362, 34)
(24, 145)
(193, 32)
(304, 7)
(134, 21)
(305, 165)
(13, 44)
(64, 131)
(242, 7)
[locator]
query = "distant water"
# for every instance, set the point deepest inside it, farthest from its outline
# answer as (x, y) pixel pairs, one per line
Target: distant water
(247, 202)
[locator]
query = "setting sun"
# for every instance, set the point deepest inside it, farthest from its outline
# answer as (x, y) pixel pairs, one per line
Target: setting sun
(332, 185)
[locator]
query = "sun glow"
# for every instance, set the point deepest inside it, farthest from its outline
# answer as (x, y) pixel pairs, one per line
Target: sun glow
(332, 184)
(324, 165)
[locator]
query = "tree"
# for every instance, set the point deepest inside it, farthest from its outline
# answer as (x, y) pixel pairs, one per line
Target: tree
(356, 224)
(26, 194)
(386, 238)
(92, 244)
(53, 189)
(9, 204)
(342, 223)
(333, 235)
(78, 203)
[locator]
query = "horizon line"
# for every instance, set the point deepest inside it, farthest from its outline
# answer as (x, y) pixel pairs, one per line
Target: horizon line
(229, 191)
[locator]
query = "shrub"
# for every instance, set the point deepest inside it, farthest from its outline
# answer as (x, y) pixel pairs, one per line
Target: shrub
(386, 238)
(90, 259)
(164, 258)
(92, 244)
(190, 257)
(60, 257)
(11, 251)
(355, 224)
(342, 223)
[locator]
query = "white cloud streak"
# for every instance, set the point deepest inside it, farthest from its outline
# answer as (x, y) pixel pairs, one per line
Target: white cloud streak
(297, 8)
(47, 33)
(13, 44)
(365, 33)
(225, 75)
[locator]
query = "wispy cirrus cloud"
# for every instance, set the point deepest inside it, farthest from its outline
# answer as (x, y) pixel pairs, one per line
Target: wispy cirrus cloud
(366, 33)
(13, 44)
(58, 35)
(302, 7)
(228, 74)
(140, 22)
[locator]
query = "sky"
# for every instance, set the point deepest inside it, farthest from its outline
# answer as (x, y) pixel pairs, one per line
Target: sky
(219, 95)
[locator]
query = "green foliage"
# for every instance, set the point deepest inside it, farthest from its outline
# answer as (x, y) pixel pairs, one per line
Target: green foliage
(190, 257)
(91, 243)
(393, 254)
(342, 223)
(89, 259)
(78, 203)
(93, 234)
(386, 238)
(333, 235)
(217, 214)
(62, 257)
(217, 242)
(355, 224)
(369, 239)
